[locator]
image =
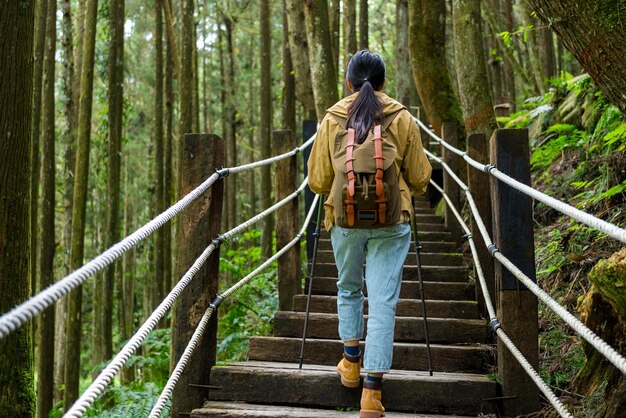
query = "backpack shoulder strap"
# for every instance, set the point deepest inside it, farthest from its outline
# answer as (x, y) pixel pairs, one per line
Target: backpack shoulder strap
(390, 118)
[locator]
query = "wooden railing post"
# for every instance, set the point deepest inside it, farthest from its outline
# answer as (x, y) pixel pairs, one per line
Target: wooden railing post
(309, 127)
(198, 225)
(287, 221)
(478, 183)
(513, 235)
(450, 187)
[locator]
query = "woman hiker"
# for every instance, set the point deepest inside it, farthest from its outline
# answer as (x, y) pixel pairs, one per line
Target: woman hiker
(368, 215)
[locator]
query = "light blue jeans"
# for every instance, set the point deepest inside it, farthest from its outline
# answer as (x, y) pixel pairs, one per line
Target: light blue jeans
(384, 251)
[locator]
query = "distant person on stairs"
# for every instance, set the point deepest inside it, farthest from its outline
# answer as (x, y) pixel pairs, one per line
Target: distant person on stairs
(368, 158)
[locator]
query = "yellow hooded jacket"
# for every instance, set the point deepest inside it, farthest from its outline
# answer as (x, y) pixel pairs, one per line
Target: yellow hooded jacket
(414, 167)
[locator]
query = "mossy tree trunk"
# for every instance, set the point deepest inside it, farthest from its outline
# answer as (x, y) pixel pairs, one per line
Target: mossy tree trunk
(427, 35)
(474, 90)
(363, 24)
(323, 73)
(265, 133)
(45, 332)
(595, 33)
(17, 397)
(349, 38)
(74, 308)
(161, 288)
(289, 81)
(334, 19)
(299, 49)
(405, 84)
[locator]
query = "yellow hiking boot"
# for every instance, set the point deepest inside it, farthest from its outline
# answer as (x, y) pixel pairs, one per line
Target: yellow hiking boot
(349, 369)
(371, 406)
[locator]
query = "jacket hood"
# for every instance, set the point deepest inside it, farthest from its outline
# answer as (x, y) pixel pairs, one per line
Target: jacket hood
(389, 105)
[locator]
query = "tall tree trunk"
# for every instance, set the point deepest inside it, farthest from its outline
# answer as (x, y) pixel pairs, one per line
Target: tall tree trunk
(405, 84)
(40, 35)
(70, 102)
(167, 163)
(334, 18)
(196, 82)
(298, 46)
(474, 90)
(289, 81)
(509, 74)
(186, 79)
(323, 74)
(231, 121)
(265, 133)
(74, 320)
(531, 47)
(45, 334)
(126, 306)
(493, 54)
(349, 38)
(427, 37)
(545, 40)
(17, 398)
(363, 24)
(159, 151)
(594, 32)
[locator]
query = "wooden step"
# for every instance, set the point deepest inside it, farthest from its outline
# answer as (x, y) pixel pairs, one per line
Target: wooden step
(427, 259)
(473, 358)
(424, 235)
(408, 290)
(406, 307)
(241, 409)
(427, 246)
(403, 391)
(427, 218)
(409, 272)
(323, 325)
(422, 228)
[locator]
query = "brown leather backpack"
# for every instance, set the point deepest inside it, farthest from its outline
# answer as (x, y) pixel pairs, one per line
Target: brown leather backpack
(366, 189)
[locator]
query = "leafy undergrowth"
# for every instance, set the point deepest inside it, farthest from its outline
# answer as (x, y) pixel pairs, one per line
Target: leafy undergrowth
(250, 310)
(578, 142)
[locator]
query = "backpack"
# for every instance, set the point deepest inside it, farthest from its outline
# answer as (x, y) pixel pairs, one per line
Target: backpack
(366, 189)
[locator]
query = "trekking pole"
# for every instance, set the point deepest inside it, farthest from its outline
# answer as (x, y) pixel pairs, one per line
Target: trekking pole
(418, 248)
(316, 236)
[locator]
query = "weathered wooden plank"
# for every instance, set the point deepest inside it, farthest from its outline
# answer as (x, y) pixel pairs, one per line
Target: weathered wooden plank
(408, 290)
(416, 392)
(427, 246)
(409, 272)
(406, 356)
(214, 409)
(427, 258)
(321, 325)
(406, 307)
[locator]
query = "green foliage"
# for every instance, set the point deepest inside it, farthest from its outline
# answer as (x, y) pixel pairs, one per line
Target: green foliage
(567, 136)
(521, 32)
(250, 310)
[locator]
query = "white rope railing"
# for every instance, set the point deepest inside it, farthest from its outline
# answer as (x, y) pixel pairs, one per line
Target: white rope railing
(168, 390)
(98, 386)
(35, 305)
(611, 354)
(493, 319)
(608, 228)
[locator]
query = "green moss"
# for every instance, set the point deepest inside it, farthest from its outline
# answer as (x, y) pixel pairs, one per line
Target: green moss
(609, 13)
(609, 278)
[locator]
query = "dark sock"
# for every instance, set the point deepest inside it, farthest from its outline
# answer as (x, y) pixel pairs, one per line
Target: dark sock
(350, 350)
(374, 378)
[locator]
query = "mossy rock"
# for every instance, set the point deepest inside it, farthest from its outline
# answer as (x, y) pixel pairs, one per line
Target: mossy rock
(609, 278)
(603, 310)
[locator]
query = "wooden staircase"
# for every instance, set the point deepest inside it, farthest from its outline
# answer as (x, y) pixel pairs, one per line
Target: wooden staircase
(271, 385)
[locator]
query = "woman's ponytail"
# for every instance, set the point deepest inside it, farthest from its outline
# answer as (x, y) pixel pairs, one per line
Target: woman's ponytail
(366, 72)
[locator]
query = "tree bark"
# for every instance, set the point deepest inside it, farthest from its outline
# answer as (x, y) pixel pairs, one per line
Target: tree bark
(363, 24)
(349, 38)
(167, 163)
(17, 397)
(45, 329)
(428, 58)
(594, 32)
(74, 320)
(323, 74)
(186, 79)
(298, 46)
(126, 306)
(265, 133)
(159, 152)
(474, 90)
(532, 49)
(40, 36)
(509, 74)
(334, 17)
(289, 81)
(405, 84)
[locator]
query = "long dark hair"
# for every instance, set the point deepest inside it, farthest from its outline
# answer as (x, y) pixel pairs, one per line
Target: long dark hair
(366, 72)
